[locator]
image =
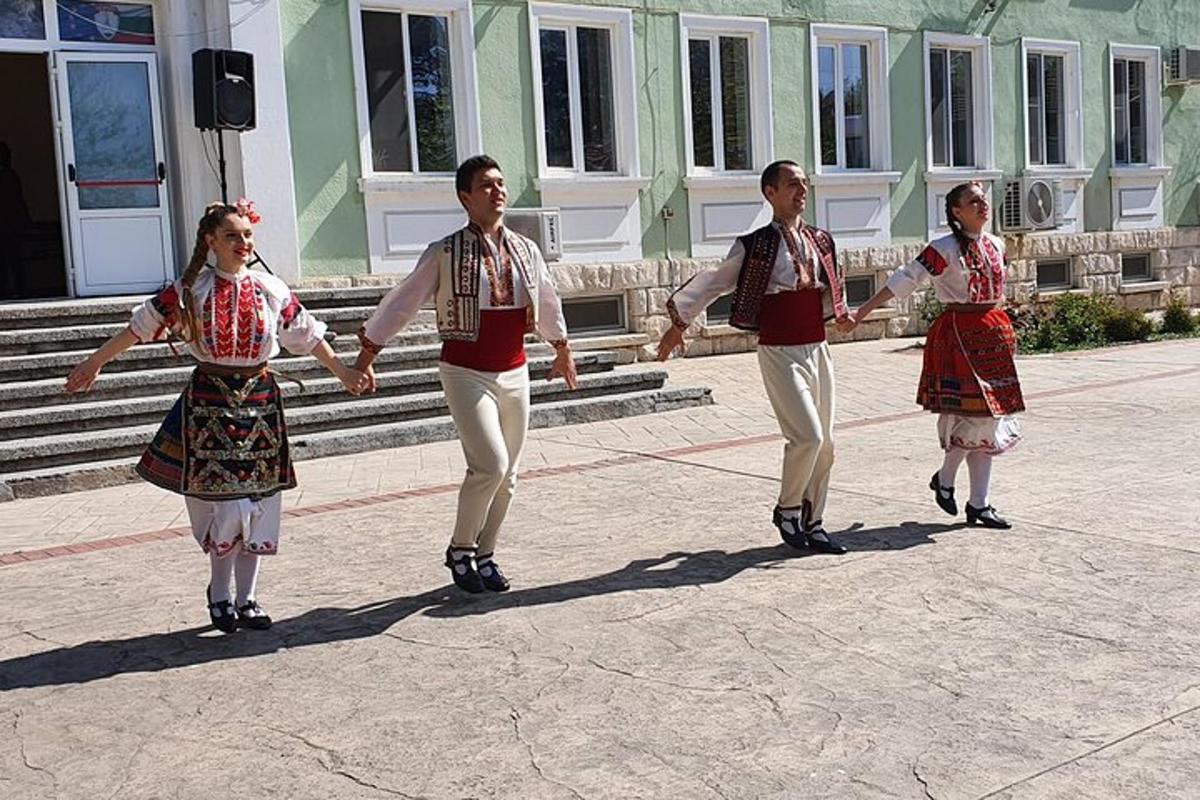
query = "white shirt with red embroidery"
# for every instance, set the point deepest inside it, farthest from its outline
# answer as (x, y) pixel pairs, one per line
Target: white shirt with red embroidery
(244, 318)
(974, 277)
(700, 292)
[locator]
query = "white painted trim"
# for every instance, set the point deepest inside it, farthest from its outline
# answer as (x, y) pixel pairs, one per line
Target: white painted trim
(757, 31)
(1072, 101)
(878, 64)
(620, 22)
(736, 180)
(855, 178)
(53, 41)
(1152, 56)
(464, 82)
(962, 175)
(982, 72)
(1139, 172)
(590, 184)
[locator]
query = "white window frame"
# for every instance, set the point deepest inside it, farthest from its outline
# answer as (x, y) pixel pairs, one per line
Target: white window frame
(53, 41)
(762, 141)
(879, 108)
(1152, 57)
(1072, 110)
(981, 68)
(619, 22)
(468, 139)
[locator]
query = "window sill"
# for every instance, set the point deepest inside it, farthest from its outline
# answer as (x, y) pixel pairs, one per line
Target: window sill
(1058, 291)
(585, 184)
(961, 175)
(855, 178)
(1068, 173)
(732, 180)
(718, 329)
(884, 312)
(407, 184)
(1138, 173)
(1139, 287)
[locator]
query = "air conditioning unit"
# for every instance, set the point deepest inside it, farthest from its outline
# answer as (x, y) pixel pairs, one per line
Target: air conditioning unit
(543, 225)
(1031, 204)
(1183, 65)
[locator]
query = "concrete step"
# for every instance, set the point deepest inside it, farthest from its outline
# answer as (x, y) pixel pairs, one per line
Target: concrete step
(401, 369)
(36, 482)
(116, 309)
(398, 396)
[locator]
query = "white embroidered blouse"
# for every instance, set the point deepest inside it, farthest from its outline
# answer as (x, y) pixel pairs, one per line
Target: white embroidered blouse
(244, 318)
(976, 276)
(699, 293)
(500, 287)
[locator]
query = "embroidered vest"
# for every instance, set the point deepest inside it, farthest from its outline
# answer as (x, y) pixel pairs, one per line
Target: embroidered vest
(762, 248)
(460, 267)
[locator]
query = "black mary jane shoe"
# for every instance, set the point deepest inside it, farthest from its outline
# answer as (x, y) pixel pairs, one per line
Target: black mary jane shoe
(223, 617)
(790, 529)
(464, 573)
(944, 496)
(491, 575)
(251, 615)
(820, 542)
(987, 517)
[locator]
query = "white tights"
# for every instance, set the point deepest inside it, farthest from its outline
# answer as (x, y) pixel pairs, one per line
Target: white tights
(979, 466)
(238, 563)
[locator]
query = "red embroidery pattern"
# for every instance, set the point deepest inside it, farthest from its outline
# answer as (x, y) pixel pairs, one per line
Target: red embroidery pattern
(246, 309)
(985, 271)
(802, 265)
(932, 260)
(500, 280)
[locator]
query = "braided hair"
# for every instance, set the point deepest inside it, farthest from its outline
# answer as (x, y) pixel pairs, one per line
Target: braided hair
(214, 215)
(952, 200)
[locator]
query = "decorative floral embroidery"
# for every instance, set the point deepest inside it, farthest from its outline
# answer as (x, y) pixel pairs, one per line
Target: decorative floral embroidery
(932, 260)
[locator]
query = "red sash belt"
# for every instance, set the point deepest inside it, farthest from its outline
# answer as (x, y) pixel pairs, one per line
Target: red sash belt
(500, 346)
(788, 318)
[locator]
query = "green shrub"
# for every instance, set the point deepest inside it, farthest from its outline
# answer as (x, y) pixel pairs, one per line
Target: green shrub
(1127, 325)
(1078, 320)
(1178, 317)
(930, 308)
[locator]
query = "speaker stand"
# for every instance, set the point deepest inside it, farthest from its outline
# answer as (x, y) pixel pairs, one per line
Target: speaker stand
(221, 165)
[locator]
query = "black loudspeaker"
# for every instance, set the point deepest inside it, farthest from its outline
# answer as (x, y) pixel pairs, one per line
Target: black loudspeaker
(223, 90)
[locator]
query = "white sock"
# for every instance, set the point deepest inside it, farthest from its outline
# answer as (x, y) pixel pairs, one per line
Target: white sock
(979, 465)
(950, 464)
(222, 576)
(482, 561)
(246, 569)
(458, 554)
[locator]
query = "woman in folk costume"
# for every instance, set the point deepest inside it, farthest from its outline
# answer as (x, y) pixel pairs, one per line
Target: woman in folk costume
(491, 287)
(968, 379)
(224, 445)
(786, 284)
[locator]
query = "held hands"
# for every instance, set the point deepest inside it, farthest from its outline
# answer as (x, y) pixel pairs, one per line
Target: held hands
(671, 341)
(847, 323)
(564, 367)
(83, 376)
(356, 382)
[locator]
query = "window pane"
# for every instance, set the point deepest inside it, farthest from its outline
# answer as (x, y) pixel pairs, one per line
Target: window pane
(939, 111)
(854, 98)
(22, 19)
(121, 23)
(1053, 274)
(433, 103)
(719, 310)
(735, 102)
(700, 58)
(827, 97)
(1033, 86)
(1135, 267)
(591, 314)
(1137, 112)
(596, 100)
(962, 109)
(1121, 110)
(1053, 73)
(556, 99)
(859, 290)
(387, 91)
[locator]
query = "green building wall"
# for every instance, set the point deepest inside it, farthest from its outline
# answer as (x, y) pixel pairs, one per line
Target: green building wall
(333, 239)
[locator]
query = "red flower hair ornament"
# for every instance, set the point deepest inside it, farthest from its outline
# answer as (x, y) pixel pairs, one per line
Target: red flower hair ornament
(245, 208)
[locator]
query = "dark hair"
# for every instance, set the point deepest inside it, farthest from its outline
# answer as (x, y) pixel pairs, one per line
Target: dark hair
(464, 176)
(956, 227)
(770, 175)
(189, 321)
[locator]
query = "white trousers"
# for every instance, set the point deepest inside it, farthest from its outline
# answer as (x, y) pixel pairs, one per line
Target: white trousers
(221, 525)
(491, 412)
(799, 383)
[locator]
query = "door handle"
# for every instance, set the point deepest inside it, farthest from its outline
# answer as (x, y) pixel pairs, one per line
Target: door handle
(71, 172)
(162, 171)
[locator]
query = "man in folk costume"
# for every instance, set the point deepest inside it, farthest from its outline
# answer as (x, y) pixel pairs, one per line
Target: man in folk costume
(491, 287)
(786, 284)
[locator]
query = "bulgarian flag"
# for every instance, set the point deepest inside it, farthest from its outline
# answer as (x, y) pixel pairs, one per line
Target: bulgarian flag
(121, 23)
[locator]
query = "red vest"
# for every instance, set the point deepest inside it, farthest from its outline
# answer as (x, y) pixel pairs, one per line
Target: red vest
(499, 347)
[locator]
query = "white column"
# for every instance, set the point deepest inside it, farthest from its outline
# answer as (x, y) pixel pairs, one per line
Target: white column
(266, 152)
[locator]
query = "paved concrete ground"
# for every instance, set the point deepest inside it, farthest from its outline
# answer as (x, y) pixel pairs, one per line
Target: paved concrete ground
(658, 642)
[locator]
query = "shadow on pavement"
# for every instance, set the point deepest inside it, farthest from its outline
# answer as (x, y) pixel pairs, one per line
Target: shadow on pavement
(162, 651)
